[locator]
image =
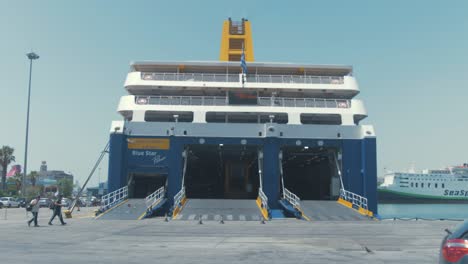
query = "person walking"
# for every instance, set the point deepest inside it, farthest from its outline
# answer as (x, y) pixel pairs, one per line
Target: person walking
(34, 210)
(57, 211)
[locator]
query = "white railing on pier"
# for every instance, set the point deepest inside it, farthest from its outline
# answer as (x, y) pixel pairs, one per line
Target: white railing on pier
(253, 78)
(179, 197)
(261, 101)
(291, 198)
(155, 197)
(263, 198)
(111, 199)
(353, 198)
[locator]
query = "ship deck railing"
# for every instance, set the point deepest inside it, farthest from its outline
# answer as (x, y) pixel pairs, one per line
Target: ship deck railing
(261, 101)
(250, 78)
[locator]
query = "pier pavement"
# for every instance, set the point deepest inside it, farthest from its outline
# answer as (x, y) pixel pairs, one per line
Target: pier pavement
(84, 240)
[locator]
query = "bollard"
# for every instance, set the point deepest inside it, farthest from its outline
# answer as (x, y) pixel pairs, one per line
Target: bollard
(68, 213)
(200, 222)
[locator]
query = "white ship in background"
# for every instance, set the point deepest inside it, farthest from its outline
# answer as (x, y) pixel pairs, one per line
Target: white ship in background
(445, 185)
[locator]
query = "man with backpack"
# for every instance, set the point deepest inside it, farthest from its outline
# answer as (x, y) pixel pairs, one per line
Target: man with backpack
(57, 208)
(34, 208)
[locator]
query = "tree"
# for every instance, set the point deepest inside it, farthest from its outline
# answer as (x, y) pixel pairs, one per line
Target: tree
(6, 157)
(65, 187)
(33, 177)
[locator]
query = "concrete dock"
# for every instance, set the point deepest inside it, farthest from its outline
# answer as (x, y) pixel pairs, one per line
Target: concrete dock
(85, 240)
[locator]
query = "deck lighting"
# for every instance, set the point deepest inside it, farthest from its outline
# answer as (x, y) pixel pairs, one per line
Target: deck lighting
(31, 56)
(221, 145)
(306, 147)
(142, 100)
(176, 118)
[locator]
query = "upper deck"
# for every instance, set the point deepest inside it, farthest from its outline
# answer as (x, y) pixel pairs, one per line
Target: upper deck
(193, 78)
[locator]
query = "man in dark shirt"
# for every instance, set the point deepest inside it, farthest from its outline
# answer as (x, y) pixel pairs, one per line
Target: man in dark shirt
(57, 211)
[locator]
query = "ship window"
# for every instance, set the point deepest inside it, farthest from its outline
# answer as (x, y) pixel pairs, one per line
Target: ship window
(236, 44)
(436, 185)
(321, 119)
(429, 185)
(443, 185)
(358, 118)
(416, 185)
(163, 116)
(245, 117)
(411, 184)
(234, 57)
(422, 184)
(128, 115)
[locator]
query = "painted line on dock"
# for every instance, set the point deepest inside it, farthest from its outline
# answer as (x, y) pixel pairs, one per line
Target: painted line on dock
(303, 215)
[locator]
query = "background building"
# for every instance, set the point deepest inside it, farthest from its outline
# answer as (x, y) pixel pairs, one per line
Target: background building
(51, 177)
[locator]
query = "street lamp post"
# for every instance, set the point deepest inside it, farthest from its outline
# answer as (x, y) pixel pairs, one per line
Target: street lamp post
(31, 56)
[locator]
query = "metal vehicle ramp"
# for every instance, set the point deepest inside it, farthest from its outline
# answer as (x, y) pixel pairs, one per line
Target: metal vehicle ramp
(131, 209)
(330, 211)
(217, 209)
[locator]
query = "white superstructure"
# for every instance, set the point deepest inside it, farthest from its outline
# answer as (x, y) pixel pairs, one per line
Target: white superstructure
(450, 183)
(216, 92)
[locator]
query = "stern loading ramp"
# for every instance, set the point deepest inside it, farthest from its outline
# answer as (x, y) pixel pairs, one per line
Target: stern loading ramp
(221, 182)
(313, 174)
(130, 209)
(118, 205)
(133, 209)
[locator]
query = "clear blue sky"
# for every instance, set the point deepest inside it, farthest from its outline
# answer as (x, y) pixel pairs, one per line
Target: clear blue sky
(410, 58)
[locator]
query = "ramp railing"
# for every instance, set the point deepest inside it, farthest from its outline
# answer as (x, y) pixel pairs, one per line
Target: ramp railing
(355, 199)
(155, 197)
(111, 199)
(291, 198)
(179, 197)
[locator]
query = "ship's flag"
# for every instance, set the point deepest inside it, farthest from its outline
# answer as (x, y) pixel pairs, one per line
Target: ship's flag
(242, 61)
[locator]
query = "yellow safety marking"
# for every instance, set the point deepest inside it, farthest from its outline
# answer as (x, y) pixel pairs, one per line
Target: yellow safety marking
(263, 211)
(345, 203)
(178, 209)
(97, 217)
(143, 214)
(148, 143)
(360, 210)
(85, 216)
(303, 215)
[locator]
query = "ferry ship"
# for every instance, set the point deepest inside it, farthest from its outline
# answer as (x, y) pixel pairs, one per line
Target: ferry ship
(446, 185)
(218, 137)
